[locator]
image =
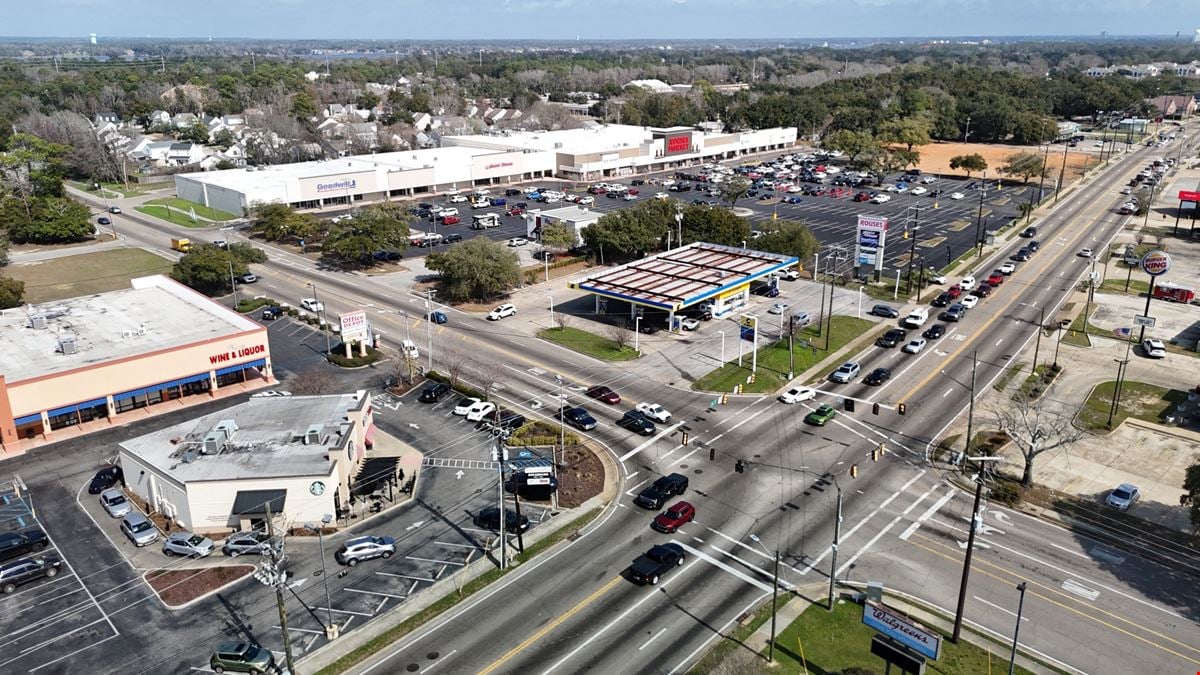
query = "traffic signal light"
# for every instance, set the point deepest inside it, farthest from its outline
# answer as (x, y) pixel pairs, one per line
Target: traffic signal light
(685, 439)
(712, 454)
(724, 398)
(854, 471)
(874, 408)
(900, 408)
(875, 455)
(739, 466)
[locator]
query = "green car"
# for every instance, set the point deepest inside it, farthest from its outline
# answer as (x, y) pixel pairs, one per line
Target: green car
(242, 657)
(821, 415)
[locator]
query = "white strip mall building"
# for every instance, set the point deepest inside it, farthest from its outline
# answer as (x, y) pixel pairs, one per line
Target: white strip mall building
(470, 162)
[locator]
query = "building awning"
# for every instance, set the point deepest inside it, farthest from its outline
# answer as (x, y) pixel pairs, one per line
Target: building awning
(77, 407)
(242, 366)
(35, 417)
(254, 502)
(369, 437)
(373, 475)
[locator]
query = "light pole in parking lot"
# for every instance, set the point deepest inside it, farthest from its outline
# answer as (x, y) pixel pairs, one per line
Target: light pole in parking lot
(331, 629)
(722, 334)
(551, 297)
(679, 223)
(429, 324)
(637, 330)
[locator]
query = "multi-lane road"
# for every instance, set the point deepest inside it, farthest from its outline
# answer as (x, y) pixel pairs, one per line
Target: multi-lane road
(903, 524)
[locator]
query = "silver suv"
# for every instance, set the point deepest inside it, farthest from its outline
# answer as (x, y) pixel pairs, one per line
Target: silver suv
(187, 544)
(845, 372)
(139, 529)
(358, 549)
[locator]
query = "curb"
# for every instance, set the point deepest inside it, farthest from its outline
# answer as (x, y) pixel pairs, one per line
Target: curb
(198, 598)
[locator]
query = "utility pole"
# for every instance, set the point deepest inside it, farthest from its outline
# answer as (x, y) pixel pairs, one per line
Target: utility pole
(1037, 347)
(979, 220)
(429, 325)
(1062, 172)
(912, 249)
(971, 405)
(233, 282)
(791, 353)
(966, 573)
(270, 575)
(837, 536)
(1115, 403)
(774, 605)
(500, 456)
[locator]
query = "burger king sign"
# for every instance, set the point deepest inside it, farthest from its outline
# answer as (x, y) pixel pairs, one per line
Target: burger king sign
(1156, 263)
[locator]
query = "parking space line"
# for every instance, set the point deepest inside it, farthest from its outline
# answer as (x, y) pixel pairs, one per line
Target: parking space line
(301, 630)
(71, 568)
(74, 652)
(402, 576)
(433, 560)
(381, 593)
(450, 543)
(413, 587)
(379, 607)
(343, 611)
(56, 638)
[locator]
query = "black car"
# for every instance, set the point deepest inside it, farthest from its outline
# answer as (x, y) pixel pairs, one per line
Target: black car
(885, 311)
(646, 326)
(934, 332)
(636, 422)
(23, 571)
(637, 181)
(104, 479)
(103, 220)
(451, 238)
(982, 290)
(577, 417)
(942, 300)
(512, 192)
(878, 376)
(434, 392)
(1029, 232)
(511, 421)
(653, 564)
(766, 290)
(271, 313)
(387, 256)
(489, 519)
(1022, 255)
(891, 338)
(24, 542)
(1034, 246)
(656, 495)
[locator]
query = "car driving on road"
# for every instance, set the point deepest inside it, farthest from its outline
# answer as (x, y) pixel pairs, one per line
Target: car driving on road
(797, 394)
(654, 496)
(649, 567)
(358, 549)
(845, 372)
(821, 416)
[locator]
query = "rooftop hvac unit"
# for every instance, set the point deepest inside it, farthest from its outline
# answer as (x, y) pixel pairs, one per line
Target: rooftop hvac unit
(37, 322)
(214, 442)
(188, 457)
(315, 434)
(66, 344)
(226, 427)
(141, 329)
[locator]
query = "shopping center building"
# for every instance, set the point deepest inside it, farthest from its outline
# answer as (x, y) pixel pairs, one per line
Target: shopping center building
(470, 162)
(83, 364)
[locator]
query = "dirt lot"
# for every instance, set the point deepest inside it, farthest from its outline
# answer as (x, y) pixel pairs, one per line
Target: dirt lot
(581, 477)
(178, 587)
(935, 157)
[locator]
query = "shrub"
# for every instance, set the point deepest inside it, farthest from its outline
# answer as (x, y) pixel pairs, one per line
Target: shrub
(338, 358)
(1006, 493)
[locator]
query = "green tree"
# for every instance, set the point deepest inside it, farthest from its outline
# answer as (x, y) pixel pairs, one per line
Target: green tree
(5, 245)
(246, 254)
(557, 235)
(1191, 487)
(1023, 164)
(279, 222)
(206, 269)
(908, 132)
(854, 144)
(887, 160)
(969, 163)
(713, 225)
(367, 100)
(788, 237)
(476, 269)
(224, 139)
(1031, 128)
(379, 227)
(12, 293)
(733, 189)
(303, 106)
(196, 132)
(631, 232)
(54, 220)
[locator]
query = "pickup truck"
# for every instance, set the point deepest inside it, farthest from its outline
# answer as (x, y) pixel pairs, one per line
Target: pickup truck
(655, 412)
(653, 564)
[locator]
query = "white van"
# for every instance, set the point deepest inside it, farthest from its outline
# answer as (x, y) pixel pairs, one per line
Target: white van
(917, 317)
(409, 350)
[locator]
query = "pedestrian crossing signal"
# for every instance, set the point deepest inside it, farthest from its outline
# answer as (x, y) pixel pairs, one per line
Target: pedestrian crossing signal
(712, 454)
(854, 471)
(900, 408)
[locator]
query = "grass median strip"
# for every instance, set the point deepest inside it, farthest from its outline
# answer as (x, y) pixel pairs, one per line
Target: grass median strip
(1139, 400)
(390, 636)
(589, 343)
(205, 212)
(773, 360)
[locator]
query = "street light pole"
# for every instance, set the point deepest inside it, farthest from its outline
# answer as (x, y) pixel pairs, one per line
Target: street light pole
(324, 320)
(837, 536)
(429, 325)
(637, 331)
(548, 295)
(774, 598)
(1012, 658)
(331, 629)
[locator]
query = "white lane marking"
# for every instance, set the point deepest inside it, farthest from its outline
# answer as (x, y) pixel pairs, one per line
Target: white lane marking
(928, 513)
(741, 412)
(1064, 549)
(948, 392)
(718, 436)
(673, 463)
(650, 442)
(903, 370)
(783, 583)
(999, 341)
(403, 576)
(630, 490)
(817, 561)
(74, 652)
(437, 663)
(735, 572)
(302, 630)
(617, 620)
(998, 607)
(379, 593)
(652, 639)
(717, 634)
(750, 548)
(1072, 586)
(630, 476)
(880, 534)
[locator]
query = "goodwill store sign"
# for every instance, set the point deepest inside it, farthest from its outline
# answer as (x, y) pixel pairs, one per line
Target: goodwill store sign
(348, 184)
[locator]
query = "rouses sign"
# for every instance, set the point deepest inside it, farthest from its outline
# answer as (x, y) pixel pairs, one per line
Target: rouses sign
(903, 630)
(348, 184)
(1189, 196)
(677, 144)
(877, 223)
(1156, 263)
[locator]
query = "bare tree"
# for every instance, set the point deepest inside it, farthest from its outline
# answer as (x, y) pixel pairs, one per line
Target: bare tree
(562, 320)
(88, 155)
(485, 374)
(620, 335)
(312, 382)
(1035, 426)
(453, 363)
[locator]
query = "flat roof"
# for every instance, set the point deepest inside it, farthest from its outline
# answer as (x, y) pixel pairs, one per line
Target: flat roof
(570, 141)
(684, 276)
(279, 174)
(268, 441)
(155, 313)
(573, 213)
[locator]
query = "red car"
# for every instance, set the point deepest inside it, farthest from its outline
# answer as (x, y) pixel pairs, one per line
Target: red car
(451, 220)
(516, 211)
(675, 517)
(634, 191)
(603, 393)
(862, 197)
(955, 291)
(996, 278)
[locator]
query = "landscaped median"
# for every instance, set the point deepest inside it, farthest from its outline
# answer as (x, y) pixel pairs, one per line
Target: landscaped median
(1139, 400)
(809, 349)
(180, 212)
(591, 344)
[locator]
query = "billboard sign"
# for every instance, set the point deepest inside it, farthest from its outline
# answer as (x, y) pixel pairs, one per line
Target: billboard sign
(900, 628)
(354, 326)
(1189, 196)
(1156, 263)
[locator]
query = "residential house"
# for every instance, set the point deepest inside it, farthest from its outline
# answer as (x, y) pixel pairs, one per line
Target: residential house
(1100, 71)
(1139, 72)
(151, 152)
(184, 120)
(1176, 107)
(421, 120)
(182, 154)
(366, 134)
(111, 137)
(1191, 70)
(427, 140)
(159, 118)
(106, 117)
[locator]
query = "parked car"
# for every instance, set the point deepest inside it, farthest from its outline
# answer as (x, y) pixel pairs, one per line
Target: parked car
(464, 405)
(489, 519)
(434, 392)
(368, 547)
(603, 393)
(688, 323)
(480, 410)
(675, 517)
(22, 542)
(271, 313)
(249, 543)
(187, 544)
(501, 312)
(104, 479)
(20, 572)
(517, 241)
(1123, 496)
(650, 567)
(655, 495)
(637, 422)
(241, 657)
(1154, 349)
(452, 238)
(139, 529)
(797, 394)
(821, 416)
(115, 502)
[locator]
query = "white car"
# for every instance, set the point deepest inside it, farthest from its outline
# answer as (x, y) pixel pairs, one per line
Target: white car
(928, 180)
(465, 405)
(517, 241)
(480, 410)
(586, 200)
(688, 323)
(629, 198)
(918, 191)
(881, 198)
(1154, 349)
(797, 394)
(1084, 253)
(1008, 268)
(1126, 190)
(661, 196)
(502, 311)
(654, 411)
(791, 273)
(778, 308)
(967, 283)
(938, 279)
(458, 199)
(312, 305)
(915, 346)
(969, 301)
(447, 212)
(957, 195)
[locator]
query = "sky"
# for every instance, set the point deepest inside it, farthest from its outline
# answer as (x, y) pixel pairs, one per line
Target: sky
(433, 20)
